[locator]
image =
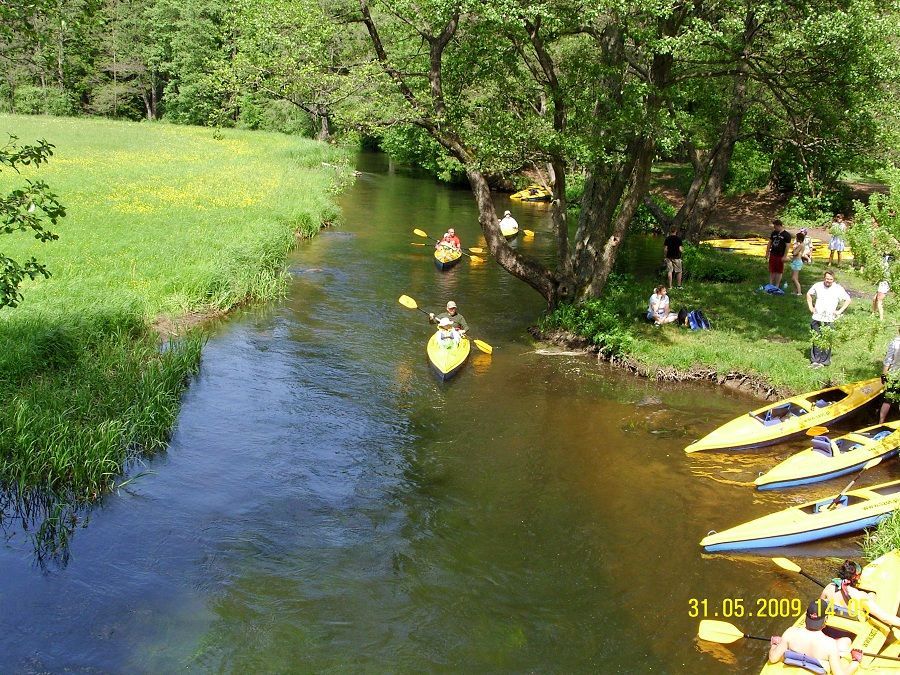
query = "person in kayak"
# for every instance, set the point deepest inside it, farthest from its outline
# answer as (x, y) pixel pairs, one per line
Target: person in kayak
(453, 239)
(444, 242)
(458, 320)
(448, 336)
(843, 597)
(808, 647)
(508, 222)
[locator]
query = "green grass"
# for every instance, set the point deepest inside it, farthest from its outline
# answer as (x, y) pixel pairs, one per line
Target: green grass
(883, 539)
(162, 220)
(766, 337)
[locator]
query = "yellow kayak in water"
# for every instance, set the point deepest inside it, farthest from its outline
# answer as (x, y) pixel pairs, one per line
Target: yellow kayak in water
(445, 258)
(830, 458)
(790, 417)
(882, 576)
(509, 232)
(447, 362)
(533, 193)
(855, 511)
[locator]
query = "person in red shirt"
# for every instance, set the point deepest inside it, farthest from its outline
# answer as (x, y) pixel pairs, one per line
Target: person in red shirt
(454, 240)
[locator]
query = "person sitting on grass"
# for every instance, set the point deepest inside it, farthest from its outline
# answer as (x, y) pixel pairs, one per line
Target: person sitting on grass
(808, 644)
(658, 309)
(843, 595)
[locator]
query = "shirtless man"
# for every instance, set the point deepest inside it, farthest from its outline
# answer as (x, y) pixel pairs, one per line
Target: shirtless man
(810, 641)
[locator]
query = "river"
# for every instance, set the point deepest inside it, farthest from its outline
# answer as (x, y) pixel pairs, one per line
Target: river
(325, 505)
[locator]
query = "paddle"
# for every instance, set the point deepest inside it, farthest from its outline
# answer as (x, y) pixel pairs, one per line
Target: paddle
(867, 465)
(726, 633)
(407, 301)
(816, 431)
(791, 566)
(421, 233)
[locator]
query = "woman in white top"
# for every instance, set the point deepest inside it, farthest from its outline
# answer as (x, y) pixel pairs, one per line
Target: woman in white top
(838, 230)
(658, 309)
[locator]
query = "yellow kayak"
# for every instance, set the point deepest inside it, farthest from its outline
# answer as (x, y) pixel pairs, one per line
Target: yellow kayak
(829, 458)
(790, 417)
(882, 576)
(445, 258)
(855, 511)
(447, 362)
(756, 246)
(533, 193)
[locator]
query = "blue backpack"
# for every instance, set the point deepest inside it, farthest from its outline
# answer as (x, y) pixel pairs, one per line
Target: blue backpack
(697, 320)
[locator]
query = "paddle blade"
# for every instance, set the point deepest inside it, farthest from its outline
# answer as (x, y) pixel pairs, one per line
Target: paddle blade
(718, 631)
(417, 243)
(528, 233)
(786, 564)
(407, 301)
(476, 249)
(817, 431)
(483, 346)
(475, 258)
(420, 233)
(875, 461)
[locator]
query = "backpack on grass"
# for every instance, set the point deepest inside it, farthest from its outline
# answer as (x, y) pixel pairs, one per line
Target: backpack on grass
(696, 320)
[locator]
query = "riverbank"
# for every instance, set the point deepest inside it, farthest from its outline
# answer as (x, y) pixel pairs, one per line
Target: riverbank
(163, 222)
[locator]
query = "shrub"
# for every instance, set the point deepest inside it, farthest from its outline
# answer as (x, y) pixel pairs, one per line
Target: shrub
(703, 263)
(749, 170)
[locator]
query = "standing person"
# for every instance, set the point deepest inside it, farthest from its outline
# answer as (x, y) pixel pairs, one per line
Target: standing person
(672, 249)
(453, 239)
(776, 251)
(828, 295)
(658, 308)
(837, 230)
(508, 222)
(890, 375)
(800, 643)
(797, 253)
(458, 320)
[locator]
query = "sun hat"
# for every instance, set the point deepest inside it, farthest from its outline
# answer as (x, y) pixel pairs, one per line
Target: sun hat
(445, 323)
(506, 213)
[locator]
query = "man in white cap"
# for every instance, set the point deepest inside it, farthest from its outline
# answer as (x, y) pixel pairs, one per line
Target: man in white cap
(508, 222)
(458, 320)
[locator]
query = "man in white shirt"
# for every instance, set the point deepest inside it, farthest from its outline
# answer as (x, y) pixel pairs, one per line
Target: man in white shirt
(828, 295)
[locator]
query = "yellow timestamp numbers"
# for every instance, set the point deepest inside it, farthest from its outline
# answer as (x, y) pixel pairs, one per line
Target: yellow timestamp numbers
(736, 608)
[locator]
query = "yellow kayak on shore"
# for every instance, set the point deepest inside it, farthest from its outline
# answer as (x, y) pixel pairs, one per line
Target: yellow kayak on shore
(447, 362)
(882, 576)
(756, 246)
(854, 511)
(790, 417)
(533, 193)
(830, 458)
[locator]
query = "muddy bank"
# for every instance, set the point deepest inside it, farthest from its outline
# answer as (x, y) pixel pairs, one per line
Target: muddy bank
(750, 384)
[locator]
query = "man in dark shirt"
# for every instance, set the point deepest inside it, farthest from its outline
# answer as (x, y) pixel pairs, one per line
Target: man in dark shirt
(459, 321)
(776, 251)
(672, 254)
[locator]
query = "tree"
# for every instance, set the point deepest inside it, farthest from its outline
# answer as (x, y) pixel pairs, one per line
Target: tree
(22, 210)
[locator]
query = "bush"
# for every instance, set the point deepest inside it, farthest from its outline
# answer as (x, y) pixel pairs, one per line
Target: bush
(703, 263)
(750, 169)
(599, 320)
(644, 222)
(42, 101)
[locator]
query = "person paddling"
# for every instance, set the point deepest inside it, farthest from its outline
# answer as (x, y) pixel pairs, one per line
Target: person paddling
(508, 222)
(843, 596)
(808, 647)
(458, 320)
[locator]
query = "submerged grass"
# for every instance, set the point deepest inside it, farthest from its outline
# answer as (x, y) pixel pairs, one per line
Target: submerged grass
(162, 221)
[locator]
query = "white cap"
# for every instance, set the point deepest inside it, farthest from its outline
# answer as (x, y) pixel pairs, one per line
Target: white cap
(506, 213)
(445, 323)
(451, 304)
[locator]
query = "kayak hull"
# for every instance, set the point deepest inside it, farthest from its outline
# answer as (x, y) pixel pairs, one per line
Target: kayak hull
(848, 453)
(447, 362)
(882, 576)
(790, 417)
(444, 259)
(509, 232)
(532, 193)
(856, 511)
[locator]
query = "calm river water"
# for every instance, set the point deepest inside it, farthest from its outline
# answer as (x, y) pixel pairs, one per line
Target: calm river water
(326, 505)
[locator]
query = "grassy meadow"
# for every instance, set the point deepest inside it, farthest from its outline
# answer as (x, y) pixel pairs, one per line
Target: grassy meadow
(162, 221)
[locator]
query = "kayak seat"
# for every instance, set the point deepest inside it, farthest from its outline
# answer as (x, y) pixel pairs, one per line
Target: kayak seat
(792, 658)
(881, 435)
(777, 414)
(823, 444)
(821, 403)
(824, 504)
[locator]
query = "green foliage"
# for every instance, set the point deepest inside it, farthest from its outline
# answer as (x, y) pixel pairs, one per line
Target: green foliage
(600, 320)
(805, 210)
(702, 263)
(29, 100)
(644, 222)
(749, 170)
(411, 145)
(884, 539)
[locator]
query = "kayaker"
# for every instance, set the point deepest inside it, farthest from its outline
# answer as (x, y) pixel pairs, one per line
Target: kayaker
(508, 222)
(825, 312)
(453, 239)
(444, 242)
(448, 336)
(843, 596)
(808, 647)
(890, 375)
(458, 320)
